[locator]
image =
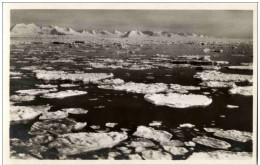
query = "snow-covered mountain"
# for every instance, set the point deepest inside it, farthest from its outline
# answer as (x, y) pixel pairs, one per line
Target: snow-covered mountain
(28, 30)
(134, 33)
(24, 30)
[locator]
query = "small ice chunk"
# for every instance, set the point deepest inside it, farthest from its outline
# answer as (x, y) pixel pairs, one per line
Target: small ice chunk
(113, 154)
(47, 86)
(135, 157)
(95, 126)
(99, 107)
(79, 126)
(232, 106)
(155, 155)
(176, 150)
(190, 144)
(187, 125)
(111, 125)
(155, 123)
(93, 99)
(150, 133)
(15, 73)
(212, 129)
(68, 85)
(141, 143)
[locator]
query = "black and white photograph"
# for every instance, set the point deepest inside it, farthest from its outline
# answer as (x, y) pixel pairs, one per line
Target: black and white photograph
(132, 84)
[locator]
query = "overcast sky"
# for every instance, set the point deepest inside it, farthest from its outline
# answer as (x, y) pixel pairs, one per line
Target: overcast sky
(229, 24)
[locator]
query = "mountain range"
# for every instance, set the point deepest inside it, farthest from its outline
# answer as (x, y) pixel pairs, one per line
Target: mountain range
(30, 30)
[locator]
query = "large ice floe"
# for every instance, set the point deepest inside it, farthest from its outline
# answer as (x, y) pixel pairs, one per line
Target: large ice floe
(25, 113)
(20, 98)
(147, 88)
(53, 115)
(240, 136)
(141, 143)
(68, 85)
(33, 92)
(76, 143)
(62, 75)
(182, 89)
(56, 127)
(62, 94)
(150, 133)
(217, 84)
(116, 81)
(172, 143)
(177, 100)
(241, 90)
(220, 155)
(250, 67)
(75, 110)
(222, 77)
(138, 87)
(26, 150)
(211, 142)
(47, 86)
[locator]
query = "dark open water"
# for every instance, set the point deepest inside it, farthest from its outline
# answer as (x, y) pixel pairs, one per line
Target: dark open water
(130, 110)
